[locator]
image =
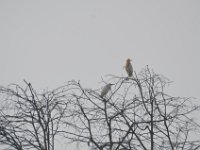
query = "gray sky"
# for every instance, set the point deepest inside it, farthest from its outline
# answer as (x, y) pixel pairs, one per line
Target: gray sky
(51, 42)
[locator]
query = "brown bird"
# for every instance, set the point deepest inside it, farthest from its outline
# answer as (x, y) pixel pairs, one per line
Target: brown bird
(129, 68)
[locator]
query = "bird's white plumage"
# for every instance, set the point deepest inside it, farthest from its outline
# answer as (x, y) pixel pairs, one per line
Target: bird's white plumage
(105, 89)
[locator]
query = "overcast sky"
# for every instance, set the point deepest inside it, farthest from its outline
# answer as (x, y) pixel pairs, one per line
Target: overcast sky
(51, 42)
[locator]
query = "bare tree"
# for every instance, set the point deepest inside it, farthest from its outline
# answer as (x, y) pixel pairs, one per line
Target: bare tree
(30, 120)
(136, 115)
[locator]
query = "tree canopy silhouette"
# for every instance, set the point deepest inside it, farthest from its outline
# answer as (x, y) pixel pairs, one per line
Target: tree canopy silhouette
(136, 114)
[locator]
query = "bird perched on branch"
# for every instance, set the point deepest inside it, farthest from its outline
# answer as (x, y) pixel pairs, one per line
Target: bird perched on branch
(106, 89)
(129, 68)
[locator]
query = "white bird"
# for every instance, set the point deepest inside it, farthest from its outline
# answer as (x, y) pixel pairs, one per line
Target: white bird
(106, 89)
(129, 68)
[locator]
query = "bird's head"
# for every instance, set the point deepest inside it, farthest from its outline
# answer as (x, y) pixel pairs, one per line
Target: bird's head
(110, 84)
(128, 60)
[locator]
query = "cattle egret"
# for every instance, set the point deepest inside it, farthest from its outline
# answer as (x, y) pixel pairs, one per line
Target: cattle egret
(106, 89)
(129, 68)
